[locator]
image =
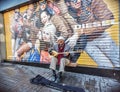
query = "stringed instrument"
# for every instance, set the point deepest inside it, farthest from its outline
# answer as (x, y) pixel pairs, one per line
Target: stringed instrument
(55, 53)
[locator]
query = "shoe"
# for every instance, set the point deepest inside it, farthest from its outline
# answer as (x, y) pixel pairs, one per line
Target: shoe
(59, 78)
(54, 76)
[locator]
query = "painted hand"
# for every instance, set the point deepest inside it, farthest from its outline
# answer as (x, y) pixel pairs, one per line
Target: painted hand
(72, 41)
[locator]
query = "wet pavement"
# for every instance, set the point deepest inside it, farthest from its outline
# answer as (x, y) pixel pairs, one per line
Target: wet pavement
(16, 78)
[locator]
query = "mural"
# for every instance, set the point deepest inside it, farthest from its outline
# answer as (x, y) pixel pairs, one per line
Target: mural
(90, 27)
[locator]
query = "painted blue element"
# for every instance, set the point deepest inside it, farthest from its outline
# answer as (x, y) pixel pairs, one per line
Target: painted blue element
(35, 56)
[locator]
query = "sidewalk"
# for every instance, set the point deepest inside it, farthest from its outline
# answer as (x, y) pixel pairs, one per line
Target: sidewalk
(15, 78)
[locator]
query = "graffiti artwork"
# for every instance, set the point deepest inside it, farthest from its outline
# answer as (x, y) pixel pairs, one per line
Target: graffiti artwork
(89, 27)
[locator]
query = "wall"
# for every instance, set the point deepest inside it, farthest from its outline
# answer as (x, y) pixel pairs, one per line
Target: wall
(2, 40)
(100, 50)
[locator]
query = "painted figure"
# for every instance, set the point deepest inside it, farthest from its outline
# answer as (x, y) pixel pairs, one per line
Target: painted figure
(49, 29)
(17, 31)
(91, 15)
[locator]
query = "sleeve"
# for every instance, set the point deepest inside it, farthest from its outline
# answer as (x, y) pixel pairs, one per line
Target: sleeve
(68, 49)
(101, 11)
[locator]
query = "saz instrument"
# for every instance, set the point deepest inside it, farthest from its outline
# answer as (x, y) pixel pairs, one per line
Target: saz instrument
(55, 53)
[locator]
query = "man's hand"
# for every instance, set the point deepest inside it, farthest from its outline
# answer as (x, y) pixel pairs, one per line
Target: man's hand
(66, 53)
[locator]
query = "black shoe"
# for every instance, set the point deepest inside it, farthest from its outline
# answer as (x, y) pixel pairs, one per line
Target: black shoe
(54, 76)
(59, 78)
(60, 75)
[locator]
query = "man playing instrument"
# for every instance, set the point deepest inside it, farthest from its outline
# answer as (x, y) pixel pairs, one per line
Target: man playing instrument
(60, 59)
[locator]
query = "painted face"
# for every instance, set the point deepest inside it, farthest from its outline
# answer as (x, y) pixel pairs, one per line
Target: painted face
(43, 6)
(29, 13)
(31, 7)
(46, 36)
(16, 16)
(44, 17)
(75, 3)
(50, 4)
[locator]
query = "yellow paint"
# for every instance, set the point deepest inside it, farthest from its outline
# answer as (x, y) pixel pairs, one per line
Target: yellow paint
(23, 9)
(85, 60)
(113, 5)
(7, 34)
(8, 16)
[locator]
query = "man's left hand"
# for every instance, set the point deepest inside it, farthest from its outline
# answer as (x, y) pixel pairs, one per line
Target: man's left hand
(66, 53)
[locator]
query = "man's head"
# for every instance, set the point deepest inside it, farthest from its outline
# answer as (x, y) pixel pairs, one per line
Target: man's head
(73, 3)
(61, 40)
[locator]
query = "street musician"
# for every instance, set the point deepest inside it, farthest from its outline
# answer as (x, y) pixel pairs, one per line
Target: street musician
(61, 59)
